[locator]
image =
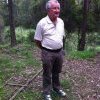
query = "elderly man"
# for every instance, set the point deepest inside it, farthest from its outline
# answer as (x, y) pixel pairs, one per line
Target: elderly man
(49, 38)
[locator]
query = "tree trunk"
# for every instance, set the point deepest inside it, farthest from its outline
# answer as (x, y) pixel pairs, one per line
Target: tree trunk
(1, 29)
(11, 22)
(82, 35)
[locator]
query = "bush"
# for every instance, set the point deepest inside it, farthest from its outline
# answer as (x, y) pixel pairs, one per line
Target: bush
(82, 54)
(30, 37)
(22, 34)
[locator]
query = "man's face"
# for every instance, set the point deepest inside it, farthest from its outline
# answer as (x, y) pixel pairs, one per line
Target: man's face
(54, 11)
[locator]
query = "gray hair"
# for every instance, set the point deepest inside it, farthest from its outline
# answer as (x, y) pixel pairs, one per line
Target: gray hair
(48, 4)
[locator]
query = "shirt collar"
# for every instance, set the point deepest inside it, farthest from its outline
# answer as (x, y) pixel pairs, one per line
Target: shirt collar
(48, 20)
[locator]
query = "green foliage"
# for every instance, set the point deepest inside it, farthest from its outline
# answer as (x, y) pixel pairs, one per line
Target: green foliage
(30, 37)
(98, 48)
(29, 95)
(2, 92)
(1, 29)
(12, 62)
(90, 22)
(7, 34)
(5, 62)
(67, 10)
(2, 46)
(93, 41)
(4, 11)
(1, 23)
(22, 34)
(26, 53)
(81, 54)
(67, 85)
(95, 5)
(28, 12)
(71, 42)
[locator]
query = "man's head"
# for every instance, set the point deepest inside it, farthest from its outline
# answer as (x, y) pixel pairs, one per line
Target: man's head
(53, 9)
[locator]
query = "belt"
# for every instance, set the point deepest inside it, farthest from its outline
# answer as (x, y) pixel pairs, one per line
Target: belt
(57, 50)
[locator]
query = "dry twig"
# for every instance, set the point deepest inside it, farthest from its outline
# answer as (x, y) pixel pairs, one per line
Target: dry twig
(27, 83)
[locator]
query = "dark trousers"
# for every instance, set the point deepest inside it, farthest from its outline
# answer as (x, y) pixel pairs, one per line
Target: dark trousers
(52, 65)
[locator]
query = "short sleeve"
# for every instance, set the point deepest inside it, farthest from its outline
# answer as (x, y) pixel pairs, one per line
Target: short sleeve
(38, 32)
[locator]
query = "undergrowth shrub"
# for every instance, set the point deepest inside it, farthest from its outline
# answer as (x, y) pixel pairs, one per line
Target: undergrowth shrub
(82, 54)
(22, 34)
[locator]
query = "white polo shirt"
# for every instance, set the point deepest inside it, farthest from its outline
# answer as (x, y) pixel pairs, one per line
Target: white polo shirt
(50, 35)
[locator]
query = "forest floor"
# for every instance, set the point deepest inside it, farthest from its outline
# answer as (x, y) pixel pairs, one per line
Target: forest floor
(79, 78)
(84, 76)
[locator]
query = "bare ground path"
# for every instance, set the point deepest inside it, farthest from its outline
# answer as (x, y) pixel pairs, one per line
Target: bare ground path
(85, 75)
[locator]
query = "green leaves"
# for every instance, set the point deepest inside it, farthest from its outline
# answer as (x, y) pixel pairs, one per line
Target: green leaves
(82, 54)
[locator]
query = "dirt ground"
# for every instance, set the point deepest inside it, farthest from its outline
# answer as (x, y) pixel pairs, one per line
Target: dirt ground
(85, 75)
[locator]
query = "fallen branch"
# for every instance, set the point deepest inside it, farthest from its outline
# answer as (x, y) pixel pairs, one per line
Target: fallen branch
(7, 81)
(28, 82)
(13, 84)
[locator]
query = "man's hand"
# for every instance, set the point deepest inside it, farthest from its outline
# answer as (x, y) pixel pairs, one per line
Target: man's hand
(63, 52)
(38, 43)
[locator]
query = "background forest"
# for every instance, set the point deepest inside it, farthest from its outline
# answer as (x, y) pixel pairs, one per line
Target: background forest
(20, 59)
(81, 18)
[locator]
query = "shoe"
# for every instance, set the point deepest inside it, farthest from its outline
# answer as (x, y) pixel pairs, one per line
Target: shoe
(60, 93)
(47, 97)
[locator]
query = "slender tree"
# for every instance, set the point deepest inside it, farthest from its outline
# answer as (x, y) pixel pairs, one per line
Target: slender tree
(82, 35)
(1, 29)
(11, 23)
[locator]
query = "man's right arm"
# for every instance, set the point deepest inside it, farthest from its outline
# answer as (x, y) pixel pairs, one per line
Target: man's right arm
(38, 35)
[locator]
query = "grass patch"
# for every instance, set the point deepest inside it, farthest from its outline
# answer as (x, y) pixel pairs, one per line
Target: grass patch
(98, 48)
(12, 62)
(2, 93)
(81, 54)
(22, 34)
(5, 62)
(29, 95)
(66, 84)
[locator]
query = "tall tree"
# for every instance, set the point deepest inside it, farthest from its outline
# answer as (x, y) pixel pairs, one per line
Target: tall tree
(1, 29)
(11, 22)
(97, 14)
(82, 35)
